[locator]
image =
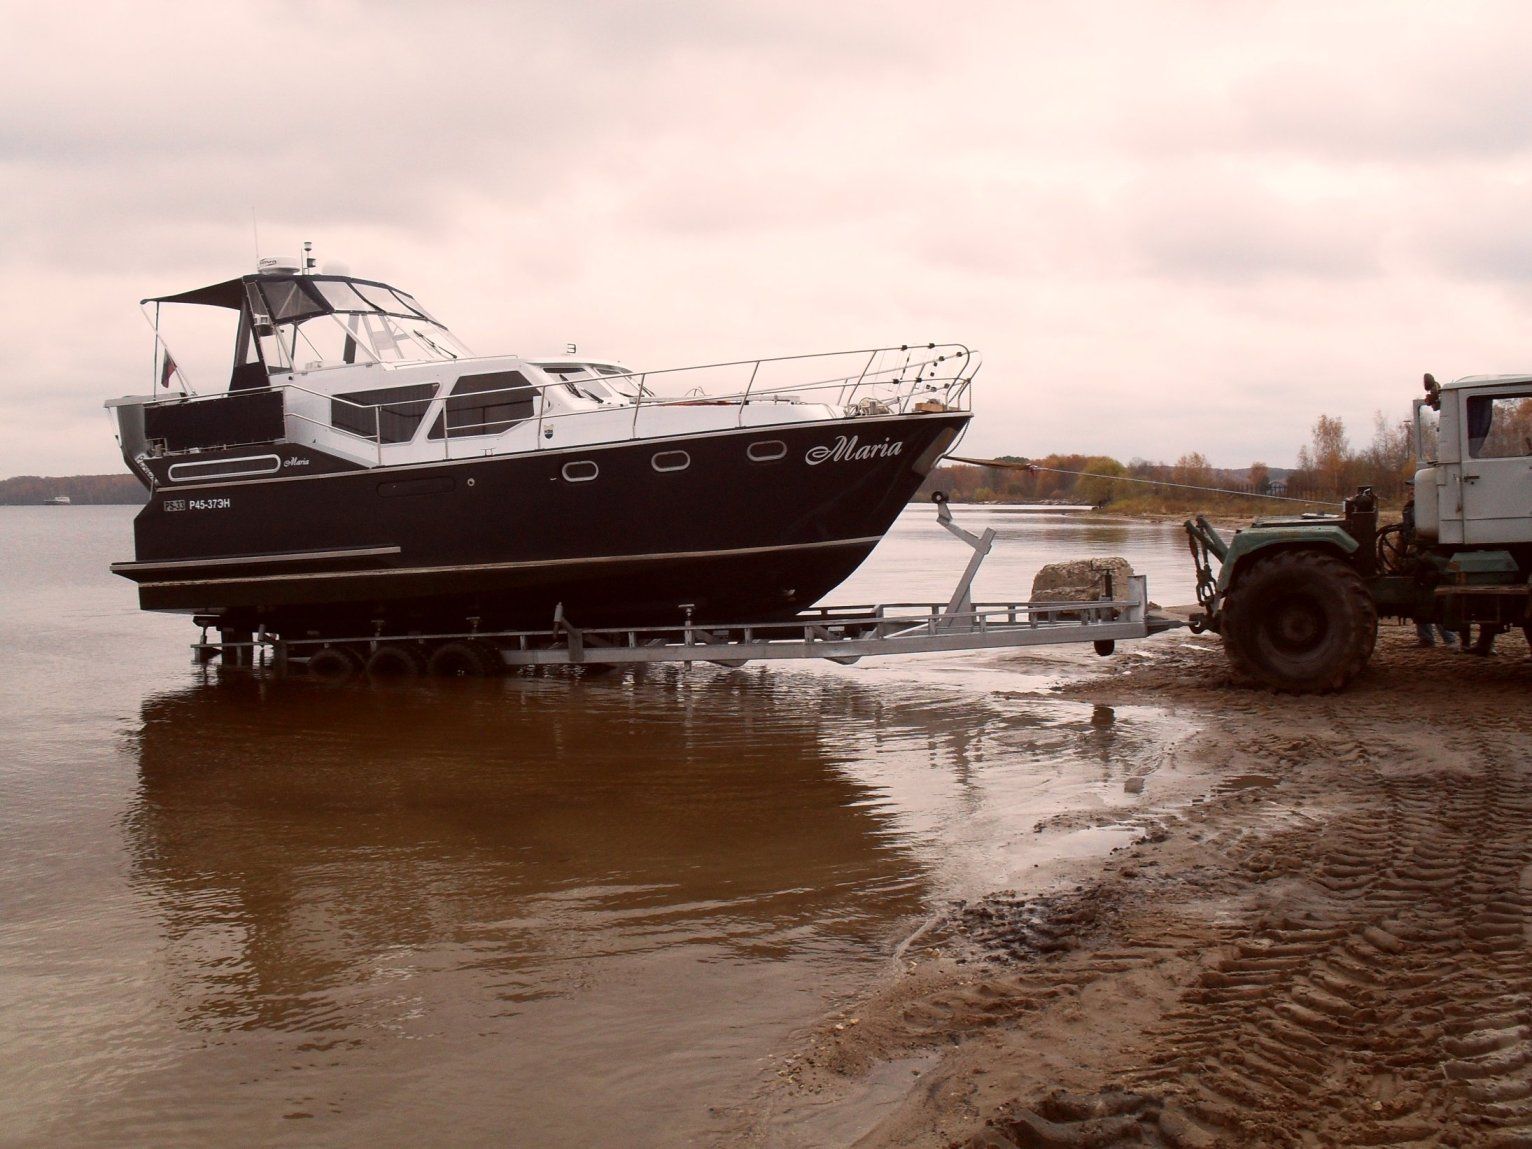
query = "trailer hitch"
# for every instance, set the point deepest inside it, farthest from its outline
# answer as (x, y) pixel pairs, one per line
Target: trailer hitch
(1206, 544)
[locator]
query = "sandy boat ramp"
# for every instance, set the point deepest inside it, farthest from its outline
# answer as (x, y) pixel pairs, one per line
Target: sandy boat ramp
(1320, 935)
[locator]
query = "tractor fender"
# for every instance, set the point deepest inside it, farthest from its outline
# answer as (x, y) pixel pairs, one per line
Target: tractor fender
(1258, 540)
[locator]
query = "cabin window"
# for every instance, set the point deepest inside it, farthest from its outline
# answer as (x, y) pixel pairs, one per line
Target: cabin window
(386, 415)
(341, 295)
(1499, 426)
(486, 405)
(288, 301)
(671, 461)
(385, 300)
(766, 451)
(580, 471)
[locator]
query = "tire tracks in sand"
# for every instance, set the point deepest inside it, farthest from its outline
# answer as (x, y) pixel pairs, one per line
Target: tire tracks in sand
(1332, 946)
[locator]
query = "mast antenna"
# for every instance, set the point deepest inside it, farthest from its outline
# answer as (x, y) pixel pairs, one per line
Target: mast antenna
(255, 230)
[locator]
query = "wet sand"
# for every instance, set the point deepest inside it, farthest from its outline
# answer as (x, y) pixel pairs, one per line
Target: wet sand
(1318, 933)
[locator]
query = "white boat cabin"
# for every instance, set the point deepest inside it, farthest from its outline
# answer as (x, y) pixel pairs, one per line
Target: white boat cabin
(367, 374)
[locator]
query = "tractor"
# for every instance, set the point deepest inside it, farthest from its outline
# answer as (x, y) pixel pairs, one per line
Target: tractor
(1297, 598)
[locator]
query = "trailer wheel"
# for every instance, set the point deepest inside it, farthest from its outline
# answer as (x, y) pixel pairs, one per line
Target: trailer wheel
(463, 660)
(334, 665)
(396, 660)
(1299, 621)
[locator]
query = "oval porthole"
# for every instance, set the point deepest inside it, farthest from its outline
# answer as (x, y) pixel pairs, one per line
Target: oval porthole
(580, 471)
(766, 451)
(671, 461)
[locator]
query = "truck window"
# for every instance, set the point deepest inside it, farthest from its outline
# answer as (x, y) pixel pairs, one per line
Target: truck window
(1499, 426)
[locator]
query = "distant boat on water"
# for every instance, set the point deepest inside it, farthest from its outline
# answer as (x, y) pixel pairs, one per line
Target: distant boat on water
(57, 501)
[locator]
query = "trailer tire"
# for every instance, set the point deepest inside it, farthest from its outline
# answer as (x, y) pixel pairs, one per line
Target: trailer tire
(396, 660)
(1299, 621)
(463, 660)
(334, 665)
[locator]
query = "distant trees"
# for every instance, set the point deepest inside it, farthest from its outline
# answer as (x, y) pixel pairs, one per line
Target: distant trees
(1328, 464)
(1192, 470)
(1328, 470)
(1096, 486)
(1327, 457)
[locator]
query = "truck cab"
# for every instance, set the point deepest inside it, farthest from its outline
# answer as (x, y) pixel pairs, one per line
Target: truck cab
(1473, 447)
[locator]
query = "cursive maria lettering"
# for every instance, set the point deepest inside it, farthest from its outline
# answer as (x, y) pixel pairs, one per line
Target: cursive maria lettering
(845, 449)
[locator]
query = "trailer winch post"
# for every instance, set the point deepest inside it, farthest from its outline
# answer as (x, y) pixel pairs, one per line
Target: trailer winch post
(961, 602)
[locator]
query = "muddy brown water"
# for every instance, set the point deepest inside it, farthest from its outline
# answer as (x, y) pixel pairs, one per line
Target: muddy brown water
(537, 910)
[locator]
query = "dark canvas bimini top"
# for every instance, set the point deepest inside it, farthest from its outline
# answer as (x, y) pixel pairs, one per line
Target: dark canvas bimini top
(230, 293)
(290, 296)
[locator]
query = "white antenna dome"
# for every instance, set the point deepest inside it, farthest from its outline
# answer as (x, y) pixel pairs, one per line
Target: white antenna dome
(277, 265)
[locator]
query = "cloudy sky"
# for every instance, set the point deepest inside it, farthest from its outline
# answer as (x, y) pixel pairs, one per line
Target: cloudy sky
(1168, 226)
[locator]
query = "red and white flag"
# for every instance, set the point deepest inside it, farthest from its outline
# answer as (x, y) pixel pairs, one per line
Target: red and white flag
(167, 371)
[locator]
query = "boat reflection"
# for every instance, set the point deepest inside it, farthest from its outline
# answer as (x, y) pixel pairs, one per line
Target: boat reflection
(314, 851)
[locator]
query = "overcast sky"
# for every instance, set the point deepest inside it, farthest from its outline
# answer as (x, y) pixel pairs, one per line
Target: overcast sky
(1167, 226)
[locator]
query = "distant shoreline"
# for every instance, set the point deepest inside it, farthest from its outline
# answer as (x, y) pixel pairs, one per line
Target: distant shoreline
(80, 490)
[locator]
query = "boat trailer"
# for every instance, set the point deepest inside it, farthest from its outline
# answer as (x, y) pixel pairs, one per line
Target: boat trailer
(842, 634)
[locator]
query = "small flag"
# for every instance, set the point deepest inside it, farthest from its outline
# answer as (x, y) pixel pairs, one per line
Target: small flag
(167, 371)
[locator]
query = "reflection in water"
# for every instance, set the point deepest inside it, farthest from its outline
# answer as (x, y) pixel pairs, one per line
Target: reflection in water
(305, 843)
(538, 911)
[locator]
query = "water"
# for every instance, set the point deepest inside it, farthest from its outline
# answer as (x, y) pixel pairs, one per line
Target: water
(533, 910)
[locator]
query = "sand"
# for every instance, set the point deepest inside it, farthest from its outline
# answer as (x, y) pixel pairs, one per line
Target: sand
(1323, 939)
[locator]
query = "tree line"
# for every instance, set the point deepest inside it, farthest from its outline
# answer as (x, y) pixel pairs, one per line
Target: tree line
(33, 489)
(1329, 468)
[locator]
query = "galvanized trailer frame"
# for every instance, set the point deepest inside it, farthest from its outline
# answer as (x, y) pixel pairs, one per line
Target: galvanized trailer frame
(843, 634)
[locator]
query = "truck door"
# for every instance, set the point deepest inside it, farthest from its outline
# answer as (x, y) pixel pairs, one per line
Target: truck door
(1497, 466)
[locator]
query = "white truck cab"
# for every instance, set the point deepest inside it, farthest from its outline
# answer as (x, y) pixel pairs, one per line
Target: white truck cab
(1473, 447)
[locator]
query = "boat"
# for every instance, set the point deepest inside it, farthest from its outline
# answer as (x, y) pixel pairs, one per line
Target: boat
(58, 501)
(362, 470)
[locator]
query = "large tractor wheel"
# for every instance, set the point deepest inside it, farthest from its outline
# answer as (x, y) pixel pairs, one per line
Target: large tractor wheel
(1299, 621)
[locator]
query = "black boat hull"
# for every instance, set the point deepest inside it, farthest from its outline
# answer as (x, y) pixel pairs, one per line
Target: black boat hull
(629, 532)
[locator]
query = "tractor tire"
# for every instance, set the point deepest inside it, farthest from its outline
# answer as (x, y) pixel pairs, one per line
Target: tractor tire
(396, 660)
(1299, 621)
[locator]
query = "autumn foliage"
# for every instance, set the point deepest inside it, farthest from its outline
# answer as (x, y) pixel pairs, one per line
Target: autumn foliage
(1328, 470)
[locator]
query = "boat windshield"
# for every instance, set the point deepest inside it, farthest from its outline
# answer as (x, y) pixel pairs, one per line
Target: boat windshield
(312, 322)
(604, 382)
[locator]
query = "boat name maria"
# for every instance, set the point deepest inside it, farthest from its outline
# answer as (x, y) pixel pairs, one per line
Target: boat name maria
(846, 449)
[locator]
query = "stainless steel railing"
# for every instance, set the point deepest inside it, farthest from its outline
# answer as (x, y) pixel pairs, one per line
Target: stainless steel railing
(882, 380)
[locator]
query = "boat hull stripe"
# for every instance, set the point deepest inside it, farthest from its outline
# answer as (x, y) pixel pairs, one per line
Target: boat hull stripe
(470, 568)
(129, 569)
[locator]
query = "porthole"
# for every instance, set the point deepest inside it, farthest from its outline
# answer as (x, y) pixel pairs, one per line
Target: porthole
(580, 471)
(766, 451)
(671, 461)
